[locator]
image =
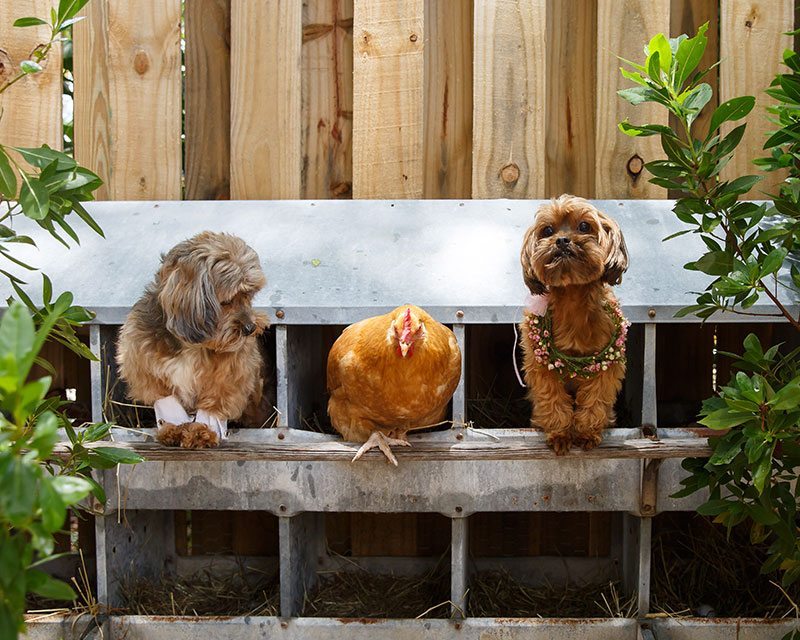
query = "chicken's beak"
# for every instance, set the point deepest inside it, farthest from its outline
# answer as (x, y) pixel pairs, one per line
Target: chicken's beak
(404, 347)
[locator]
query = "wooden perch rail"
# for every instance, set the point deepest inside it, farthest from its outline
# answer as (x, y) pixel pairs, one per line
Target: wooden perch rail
(640, 448)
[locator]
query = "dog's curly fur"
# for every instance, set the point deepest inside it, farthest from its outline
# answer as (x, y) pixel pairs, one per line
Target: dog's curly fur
(576, 277)
(195, 336)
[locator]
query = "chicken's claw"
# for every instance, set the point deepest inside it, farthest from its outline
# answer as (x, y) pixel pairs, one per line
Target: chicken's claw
(383, 442)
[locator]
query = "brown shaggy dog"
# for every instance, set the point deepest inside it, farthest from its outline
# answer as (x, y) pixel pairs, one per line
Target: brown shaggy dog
(573, 336)
(190, 344)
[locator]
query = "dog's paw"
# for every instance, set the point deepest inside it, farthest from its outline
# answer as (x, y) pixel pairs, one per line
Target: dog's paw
(587, 441)
(196, 435)
(560, 443)
(169, 434)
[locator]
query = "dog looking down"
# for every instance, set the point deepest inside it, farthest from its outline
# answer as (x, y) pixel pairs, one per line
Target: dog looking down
(190, 344)
(573, 335)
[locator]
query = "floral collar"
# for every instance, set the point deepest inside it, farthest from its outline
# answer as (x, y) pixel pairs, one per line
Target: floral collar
(539, 320)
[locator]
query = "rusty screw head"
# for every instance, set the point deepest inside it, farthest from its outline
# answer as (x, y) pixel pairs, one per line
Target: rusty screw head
(651, 313)
(459, 436)
(284, 625)
(280, 314)
(281, 436)
(459, 314)
(459, 509)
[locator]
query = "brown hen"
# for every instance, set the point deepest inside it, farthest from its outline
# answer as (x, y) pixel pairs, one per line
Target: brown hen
(389, 375)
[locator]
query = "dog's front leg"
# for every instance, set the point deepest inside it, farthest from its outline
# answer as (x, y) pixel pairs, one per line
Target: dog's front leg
(170, 416)
(594, 410)
(215, 423)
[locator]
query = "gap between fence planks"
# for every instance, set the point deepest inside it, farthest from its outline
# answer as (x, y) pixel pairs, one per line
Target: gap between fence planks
(633, 449)
(31, 109)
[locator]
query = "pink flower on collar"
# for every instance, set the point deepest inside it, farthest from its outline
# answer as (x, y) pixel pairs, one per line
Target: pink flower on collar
(537, 305)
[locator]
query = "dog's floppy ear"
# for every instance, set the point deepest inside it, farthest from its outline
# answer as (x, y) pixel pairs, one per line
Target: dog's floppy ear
(188, 298)
(535, 285)
(616, 251)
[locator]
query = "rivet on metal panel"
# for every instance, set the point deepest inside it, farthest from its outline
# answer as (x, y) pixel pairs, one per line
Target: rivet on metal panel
(281, 436)
(459, 314)
(280, 314)
(459, 436)
(284, 625)
(282, 507)
(459, 509)
(651, 313)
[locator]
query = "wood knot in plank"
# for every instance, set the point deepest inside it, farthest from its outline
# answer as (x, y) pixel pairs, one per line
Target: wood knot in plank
(141, 62)
(509, 174)
(635, 166)
(413, 37)
(314, 31)
(341, 189)
(6, 68)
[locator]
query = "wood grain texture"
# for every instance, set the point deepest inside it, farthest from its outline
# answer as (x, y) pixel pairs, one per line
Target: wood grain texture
(633, 449)
(751, 48)
(31, 109)
(571, 81)
(620, 159)
(207, 99)
(388, 69)
(327, 99)
(129, 118)
(92, 111)
(508, 155)
(685, 17)
(448, 99)
(265, 99)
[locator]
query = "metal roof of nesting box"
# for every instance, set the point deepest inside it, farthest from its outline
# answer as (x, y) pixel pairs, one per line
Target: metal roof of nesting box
(337, 261)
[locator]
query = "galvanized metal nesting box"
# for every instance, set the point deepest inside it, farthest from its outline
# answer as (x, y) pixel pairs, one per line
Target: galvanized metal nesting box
(332, 263)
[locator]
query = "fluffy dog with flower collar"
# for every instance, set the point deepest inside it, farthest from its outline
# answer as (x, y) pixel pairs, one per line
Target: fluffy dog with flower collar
(573, 334)
(190, 345)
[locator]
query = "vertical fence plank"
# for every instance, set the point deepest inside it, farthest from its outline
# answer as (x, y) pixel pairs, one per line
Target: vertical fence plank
(751, 47)
(686, 17)
(207, 99)
(327, 99)
(135, 110)
(388, 99)
(508, 153)
(569, 126)
(31, 109)
(622, 25)
(265, 98)
(448, 99)
(92, 111)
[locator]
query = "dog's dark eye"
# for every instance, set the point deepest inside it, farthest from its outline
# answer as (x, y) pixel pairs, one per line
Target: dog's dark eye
(547, 232)
(584, 227)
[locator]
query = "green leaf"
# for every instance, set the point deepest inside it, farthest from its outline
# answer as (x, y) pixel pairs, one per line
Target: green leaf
(43, 156)
(791, 85)
(118, 456)
(730, 142)
(787, 398)
(29, 67)
(69, 8)
(83, 214)
(54, 511)
(16, 333)
(72, 489)
(35, 199)
(47, 586)
(644, 129)
(660, 45)
(725, 452)
(724, 419)
(715, 263)
(773, 261)
(742, 184)
(696, 100)
(45, 435)
(688, 56)
(762, 472)
(8, 179)
(734, 109)
(29, 22)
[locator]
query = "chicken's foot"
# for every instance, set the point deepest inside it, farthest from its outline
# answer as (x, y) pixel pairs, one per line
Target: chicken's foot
(383, 442)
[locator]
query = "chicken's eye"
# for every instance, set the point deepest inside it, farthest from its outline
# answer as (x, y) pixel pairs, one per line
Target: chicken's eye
(547, 232)
(584, 227)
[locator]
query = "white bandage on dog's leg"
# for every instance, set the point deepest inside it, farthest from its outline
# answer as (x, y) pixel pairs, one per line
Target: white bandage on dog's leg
(220, 425)
(170, 409)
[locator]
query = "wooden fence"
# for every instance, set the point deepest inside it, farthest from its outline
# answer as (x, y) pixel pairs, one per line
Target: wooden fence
(268, 99)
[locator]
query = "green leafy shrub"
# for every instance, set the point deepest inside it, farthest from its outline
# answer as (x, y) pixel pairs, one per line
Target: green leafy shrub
(752, 474)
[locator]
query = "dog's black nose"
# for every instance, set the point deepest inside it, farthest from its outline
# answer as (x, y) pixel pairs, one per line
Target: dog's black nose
(563, 241)
(248, 328)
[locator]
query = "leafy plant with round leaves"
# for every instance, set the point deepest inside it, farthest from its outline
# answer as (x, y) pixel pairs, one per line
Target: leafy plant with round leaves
(752, 474)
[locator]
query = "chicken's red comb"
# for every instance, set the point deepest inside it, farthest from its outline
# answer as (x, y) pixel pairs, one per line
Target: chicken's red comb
(406, 335)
